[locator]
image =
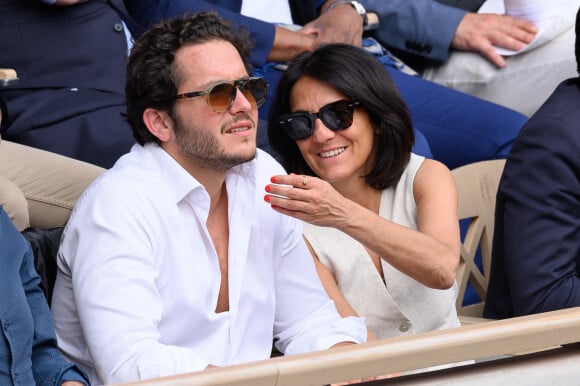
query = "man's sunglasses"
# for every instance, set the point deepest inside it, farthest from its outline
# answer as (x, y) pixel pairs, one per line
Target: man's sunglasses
(336, 116)
(221, 96)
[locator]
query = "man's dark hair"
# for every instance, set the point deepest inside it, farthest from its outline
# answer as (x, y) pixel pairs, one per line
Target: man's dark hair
(360, 76)
(152, 77)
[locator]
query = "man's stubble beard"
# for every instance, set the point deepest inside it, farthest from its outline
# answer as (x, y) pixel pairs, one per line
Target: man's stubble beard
(202, 146)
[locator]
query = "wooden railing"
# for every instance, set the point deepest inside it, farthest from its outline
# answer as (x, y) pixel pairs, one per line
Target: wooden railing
(487, 341)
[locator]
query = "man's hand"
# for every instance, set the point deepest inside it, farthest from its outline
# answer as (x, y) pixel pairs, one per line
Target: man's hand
(342, 24)
(288, 44)
(480, 32)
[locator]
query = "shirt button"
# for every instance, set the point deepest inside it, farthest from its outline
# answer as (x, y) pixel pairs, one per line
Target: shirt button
(118, 27)
(404, 327)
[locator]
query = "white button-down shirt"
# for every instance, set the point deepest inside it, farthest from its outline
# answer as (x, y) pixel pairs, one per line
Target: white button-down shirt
(138, 279)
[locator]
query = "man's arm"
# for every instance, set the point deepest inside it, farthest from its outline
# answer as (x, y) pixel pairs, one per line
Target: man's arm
(430, 29)
(421, 27)
(540, 192)
(147, 12)
(481, 32)
(48, 364)
(337, 22)
(272, 43)
(288, 44)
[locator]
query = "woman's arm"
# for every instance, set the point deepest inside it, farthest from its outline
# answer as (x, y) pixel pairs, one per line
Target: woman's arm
(430, 254)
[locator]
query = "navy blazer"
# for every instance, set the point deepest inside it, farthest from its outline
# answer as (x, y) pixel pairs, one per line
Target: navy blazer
(29, 353)
(147, 12)
(70, 61)
(536, 247)
(420, 27)
(419, 31)
(51, 46)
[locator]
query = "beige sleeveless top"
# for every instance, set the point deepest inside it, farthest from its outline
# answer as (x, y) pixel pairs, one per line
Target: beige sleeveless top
(399, 305)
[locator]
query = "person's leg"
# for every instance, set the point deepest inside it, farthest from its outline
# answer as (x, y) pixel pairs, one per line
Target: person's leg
(459, 128)
(50, 182)
(523, 85)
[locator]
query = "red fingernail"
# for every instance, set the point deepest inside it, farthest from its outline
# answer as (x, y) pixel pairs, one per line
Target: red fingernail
(268, 188)
(267, 198)
(273, 180)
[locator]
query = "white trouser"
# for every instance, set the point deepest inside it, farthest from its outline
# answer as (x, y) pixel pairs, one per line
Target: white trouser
(523, 85)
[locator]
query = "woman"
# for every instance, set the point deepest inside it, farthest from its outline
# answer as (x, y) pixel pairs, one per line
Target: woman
(381, 221)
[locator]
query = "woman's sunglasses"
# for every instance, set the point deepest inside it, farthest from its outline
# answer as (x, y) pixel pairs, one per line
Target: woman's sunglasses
(221, 96)
(336, 116)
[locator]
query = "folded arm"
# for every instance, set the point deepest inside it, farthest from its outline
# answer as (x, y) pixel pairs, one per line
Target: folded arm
(430, 254)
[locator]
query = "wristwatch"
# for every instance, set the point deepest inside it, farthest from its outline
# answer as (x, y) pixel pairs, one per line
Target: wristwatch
(359, 8)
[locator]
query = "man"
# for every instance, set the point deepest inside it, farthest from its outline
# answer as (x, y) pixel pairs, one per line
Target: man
(453, 44)
(452, 127)
(171, 262)
(536, 247)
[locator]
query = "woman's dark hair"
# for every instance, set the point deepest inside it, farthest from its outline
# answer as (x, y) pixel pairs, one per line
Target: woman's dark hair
(152, 77)
(360, 76)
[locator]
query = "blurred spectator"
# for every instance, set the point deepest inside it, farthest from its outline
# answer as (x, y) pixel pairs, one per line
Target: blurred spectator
(536, 247)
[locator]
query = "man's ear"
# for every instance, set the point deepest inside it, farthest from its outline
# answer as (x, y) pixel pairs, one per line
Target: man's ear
(159, 124)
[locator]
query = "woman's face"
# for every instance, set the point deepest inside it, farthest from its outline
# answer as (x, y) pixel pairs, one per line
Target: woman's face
(335, 156)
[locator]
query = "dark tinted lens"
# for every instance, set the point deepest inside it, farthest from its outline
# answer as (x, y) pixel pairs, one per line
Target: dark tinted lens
(337, 115)
(298, 125)
(221, 96)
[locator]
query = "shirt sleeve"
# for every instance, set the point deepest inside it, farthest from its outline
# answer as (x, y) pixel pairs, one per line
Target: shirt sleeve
(148, 12)
(49, 366)
(73, 373)
(120, 313)
(540, 194)
(420, 27)
(306, 318)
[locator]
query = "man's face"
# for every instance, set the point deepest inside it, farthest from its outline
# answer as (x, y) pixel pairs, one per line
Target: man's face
(216, 140)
